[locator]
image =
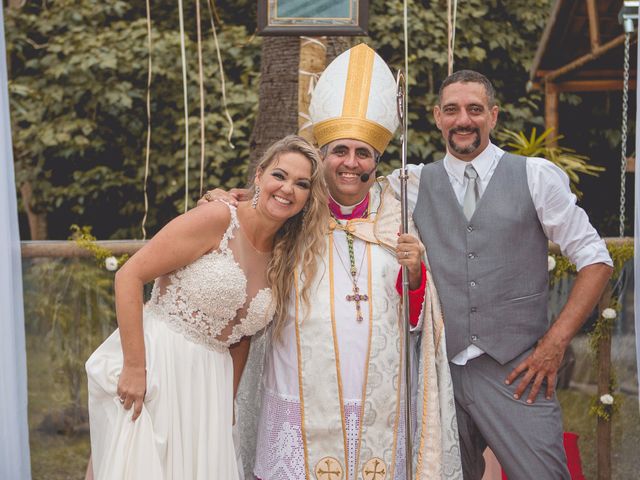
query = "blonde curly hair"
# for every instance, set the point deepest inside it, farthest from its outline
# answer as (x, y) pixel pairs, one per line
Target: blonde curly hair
(300, 241)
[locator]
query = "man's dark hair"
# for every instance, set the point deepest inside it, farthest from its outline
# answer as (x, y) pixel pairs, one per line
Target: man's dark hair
(469, 76)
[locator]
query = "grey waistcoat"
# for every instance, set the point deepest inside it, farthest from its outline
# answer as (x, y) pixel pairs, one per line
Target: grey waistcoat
(491, 272)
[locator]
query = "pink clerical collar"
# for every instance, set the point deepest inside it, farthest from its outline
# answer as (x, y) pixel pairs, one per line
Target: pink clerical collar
(347, 213)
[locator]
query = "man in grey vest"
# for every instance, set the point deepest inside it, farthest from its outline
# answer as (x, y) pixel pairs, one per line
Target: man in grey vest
(485, 217)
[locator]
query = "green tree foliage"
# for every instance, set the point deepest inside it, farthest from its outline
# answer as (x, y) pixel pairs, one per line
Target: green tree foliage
(78, 92)
(497, 38)
(534, 145)
(78, 86)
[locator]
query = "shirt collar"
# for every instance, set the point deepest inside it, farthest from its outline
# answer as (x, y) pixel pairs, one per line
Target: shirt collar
(483, 163)
(347, 212)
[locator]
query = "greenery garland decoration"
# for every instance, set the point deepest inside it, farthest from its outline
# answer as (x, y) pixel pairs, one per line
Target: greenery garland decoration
(604, 325)
(84, 239)
(607, 405)
(561, 267)
(620, 254)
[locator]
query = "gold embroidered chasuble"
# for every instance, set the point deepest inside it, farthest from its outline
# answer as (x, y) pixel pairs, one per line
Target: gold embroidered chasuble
(436, 451)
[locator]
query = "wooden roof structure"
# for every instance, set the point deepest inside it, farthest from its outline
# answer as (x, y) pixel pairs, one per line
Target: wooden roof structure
(581, 50)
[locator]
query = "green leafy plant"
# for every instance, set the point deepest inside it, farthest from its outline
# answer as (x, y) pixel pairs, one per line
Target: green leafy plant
(546, 146)
(84, 239)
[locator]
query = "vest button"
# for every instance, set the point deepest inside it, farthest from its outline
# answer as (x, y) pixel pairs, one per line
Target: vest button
(471, 255)
(474, 338)
(473, 310)
(469, 229)
(472, 283)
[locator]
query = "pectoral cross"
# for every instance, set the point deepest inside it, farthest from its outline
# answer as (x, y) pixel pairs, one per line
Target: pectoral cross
(358, 297)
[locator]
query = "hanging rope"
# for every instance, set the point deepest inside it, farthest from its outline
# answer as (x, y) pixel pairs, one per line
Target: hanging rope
(452, 12)
(623, 136)
(406, 51)
(212, 12)
(201, 84)
(186, 106)
(148, 146)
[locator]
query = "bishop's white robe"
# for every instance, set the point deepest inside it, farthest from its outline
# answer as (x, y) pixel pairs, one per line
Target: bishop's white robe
(332, 396)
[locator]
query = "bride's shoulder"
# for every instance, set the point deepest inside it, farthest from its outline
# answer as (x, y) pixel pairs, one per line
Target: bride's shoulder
(210, 220)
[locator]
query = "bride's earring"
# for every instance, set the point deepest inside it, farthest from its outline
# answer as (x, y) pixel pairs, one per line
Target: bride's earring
(254, 200)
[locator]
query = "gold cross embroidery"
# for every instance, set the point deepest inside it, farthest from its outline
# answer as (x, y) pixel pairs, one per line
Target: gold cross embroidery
(331, 471)
(374, 469)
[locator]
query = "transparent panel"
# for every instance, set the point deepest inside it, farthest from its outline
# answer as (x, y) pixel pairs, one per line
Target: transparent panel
(68, 312)
(577, 384)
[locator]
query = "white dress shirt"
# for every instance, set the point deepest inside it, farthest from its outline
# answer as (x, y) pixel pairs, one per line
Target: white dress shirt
(563, 222)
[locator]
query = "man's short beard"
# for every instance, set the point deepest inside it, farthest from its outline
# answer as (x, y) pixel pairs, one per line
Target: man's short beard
(464, 150)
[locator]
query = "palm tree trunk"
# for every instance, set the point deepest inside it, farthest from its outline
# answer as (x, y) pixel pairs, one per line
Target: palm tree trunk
(278, 94)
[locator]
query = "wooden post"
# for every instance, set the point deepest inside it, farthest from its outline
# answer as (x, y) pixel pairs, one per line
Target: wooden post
(313, 59)
(594, 28)
(551, 117)
(603, 430)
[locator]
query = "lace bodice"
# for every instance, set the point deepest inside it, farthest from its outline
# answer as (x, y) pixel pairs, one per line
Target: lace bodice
(220, 297)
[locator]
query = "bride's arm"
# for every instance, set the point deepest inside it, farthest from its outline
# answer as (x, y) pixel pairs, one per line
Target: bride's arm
(179, 243)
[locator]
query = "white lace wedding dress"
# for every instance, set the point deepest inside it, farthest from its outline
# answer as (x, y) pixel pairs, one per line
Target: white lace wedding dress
(194, 315)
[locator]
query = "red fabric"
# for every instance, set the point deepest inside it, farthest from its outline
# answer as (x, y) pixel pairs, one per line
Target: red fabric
(574, 462)
(358, 211)
(416, 297)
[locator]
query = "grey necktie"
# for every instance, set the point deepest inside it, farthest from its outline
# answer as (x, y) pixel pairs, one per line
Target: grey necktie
(472, 193)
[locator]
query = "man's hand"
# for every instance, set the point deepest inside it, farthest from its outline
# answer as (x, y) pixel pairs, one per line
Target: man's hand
(544, 361)
(541, 365)
(232, 197)
(409, 252)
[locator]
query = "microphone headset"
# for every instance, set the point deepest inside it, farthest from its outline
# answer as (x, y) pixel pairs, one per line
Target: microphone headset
(364, 178)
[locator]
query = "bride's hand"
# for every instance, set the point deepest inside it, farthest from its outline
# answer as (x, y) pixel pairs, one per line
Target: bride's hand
(132, 387)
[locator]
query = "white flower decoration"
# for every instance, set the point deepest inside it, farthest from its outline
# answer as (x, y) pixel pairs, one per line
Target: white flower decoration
(111, 264)
(551, 263)
(609, 313)
(606, 399)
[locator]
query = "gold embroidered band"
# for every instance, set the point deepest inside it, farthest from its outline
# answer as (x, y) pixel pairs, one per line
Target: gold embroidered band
(355, 128)
(358, 86)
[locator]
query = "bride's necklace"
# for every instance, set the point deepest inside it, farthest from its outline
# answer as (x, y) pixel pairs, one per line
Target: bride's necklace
(354, 275)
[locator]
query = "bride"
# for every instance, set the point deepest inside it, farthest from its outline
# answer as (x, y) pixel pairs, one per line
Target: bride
(161, 387)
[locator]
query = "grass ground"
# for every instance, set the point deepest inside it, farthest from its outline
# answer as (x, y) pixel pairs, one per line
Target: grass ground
(626, 433)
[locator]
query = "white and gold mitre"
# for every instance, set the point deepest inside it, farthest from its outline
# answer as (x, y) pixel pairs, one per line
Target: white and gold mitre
(355, 98)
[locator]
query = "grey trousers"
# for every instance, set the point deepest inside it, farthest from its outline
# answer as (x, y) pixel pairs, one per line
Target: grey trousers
(526, 439)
